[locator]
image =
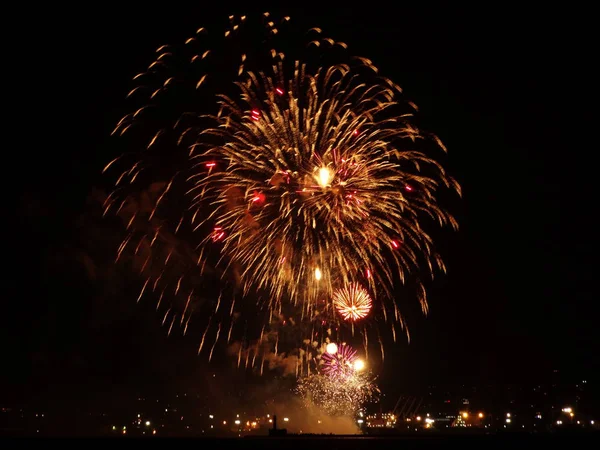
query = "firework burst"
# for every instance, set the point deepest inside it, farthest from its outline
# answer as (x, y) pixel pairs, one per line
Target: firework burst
(288, 179)
(314, 183)
(340, 363)
(353, 302)
(337, 397)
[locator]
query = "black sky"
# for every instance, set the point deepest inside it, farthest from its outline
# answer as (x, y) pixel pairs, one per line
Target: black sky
(508, 91)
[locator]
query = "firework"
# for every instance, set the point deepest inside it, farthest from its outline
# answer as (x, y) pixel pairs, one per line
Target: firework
(288, 179)
(317, 185)
(353, 302)
(337, 397)
(341, 363)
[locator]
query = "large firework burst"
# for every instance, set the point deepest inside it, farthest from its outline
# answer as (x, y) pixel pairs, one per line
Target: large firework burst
(313, 183)
(294, 180)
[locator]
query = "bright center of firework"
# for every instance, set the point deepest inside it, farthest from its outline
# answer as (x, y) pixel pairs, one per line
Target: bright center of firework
(331, 348)
(359, 365)
(324, 177)
(353, 302)
(318, 274)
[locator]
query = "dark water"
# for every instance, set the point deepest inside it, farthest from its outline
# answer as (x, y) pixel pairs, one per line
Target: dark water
(554, 440)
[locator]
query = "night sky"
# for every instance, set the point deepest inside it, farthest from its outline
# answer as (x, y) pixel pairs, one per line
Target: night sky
(508, 92)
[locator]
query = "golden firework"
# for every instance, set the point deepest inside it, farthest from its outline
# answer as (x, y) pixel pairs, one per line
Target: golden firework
(316, 182)
(296, 180)
(353, 302)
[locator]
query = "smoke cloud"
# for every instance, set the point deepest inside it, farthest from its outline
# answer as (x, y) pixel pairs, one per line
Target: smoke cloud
(311, 419)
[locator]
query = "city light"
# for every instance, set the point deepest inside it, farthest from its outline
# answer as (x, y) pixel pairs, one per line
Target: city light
(177, 418)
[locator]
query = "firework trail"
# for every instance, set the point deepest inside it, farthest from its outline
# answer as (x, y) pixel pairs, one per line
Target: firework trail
(287, 179)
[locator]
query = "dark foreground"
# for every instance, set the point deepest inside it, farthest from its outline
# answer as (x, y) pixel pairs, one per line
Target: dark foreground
(317, 442)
